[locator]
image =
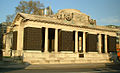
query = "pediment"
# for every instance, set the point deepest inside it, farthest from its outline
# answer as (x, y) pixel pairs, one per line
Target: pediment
(66, 16)
(17, 20)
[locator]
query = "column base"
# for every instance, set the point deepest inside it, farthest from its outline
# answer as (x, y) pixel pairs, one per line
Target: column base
(46, 52)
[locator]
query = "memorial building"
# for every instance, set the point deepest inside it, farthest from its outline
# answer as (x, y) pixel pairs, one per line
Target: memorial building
(69, 36)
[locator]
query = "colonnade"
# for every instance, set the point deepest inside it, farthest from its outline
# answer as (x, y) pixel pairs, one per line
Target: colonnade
(76, 42)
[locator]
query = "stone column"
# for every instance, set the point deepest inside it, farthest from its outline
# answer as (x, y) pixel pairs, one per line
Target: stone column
(46, 40)
(76, 41)
(56, 40)
(18, 38)
(106, 50)
(99, 43)
(20, 35)
(84, 42)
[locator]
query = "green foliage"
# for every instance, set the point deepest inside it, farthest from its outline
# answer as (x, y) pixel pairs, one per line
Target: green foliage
(6, 56)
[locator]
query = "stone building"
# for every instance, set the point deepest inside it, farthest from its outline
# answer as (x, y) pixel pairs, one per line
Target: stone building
(68, 36)
(2, 31)
(7, 42)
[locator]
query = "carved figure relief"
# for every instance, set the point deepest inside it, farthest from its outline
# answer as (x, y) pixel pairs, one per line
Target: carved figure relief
(69, 16)
(66, 16)
(93, 22)
(74, 17)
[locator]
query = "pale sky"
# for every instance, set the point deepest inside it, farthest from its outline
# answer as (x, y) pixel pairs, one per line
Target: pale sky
(104, 11)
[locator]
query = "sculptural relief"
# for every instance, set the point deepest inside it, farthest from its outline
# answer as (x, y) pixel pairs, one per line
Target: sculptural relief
(66, 16)
(73, 15)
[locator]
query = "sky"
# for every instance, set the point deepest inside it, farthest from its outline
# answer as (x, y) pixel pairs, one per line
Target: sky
(105, 12)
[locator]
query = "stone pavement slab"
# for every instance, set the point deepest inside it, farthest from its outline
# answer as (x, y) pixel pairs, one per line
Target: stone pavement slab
(64, 66)
(56, 66)
(50, 66)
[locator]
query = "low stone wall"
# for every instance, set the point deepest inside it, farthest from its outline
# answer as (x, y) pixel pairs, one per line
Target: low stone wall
(6, 52)
(64, 58)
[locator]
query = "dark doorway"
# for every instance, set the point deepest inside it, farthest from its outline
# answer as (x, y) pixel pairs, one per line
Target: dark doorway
(103, 43)
(51, 38)
(43, 39)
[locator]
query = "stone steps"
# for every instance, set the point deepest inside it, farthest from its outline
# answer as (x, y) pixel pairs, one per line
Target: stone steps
(63, 58)
(63, 61)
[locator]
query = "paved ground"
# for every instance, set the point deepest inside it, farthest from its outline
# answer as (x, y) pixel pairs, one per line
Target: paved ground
(59, 68)
(100, 70)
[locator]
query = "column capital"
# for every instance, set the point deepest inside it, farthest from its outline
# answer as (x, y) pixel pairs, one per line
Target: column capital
(84, 31)
(106, 35)
(46, 27)
(99, 34)
(76, 30)
(56, 28)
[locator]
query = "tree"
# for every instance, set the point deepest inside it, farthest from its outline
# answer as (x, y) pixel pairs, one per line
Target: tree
(9, 19)
(30, 7)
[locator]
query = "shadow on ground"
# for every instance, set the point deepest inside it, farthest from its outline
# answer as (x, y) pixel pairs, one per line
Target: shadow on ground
(115, 65)
(12, 64)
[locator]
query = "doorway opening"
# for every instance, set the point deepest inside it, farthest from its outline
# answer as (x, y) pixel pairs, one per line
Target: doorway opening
(51, 38)
(103, 43)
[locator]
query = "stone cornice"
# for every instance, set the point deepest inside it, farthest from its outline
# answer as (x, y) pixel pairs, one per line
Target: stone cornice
(94, 27)
(53, 20)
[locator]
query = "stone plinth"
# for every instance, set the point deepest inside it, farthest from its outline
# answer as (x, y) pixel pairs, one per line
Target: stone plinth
(64, 58)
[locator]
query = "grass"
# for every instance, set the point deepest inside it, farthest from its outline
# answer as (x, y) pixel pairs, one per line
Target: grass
(6, 57)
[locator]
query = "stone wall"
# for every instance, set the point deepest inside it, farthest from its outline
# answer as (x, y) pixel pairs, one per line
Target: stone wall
(64, 58)
(7, 44)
